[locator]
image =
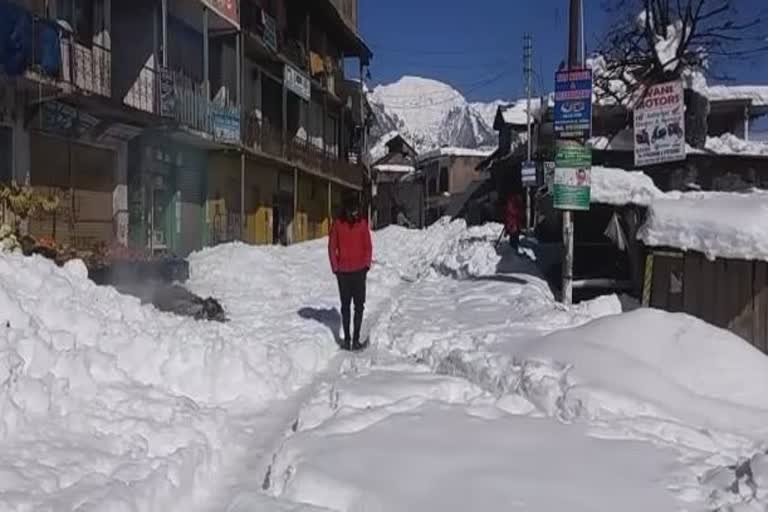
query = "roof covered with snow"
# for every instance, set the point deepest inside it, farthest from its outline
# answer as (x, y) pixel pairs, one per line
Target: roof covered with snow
(729, 144)
(516, 113)
(757, 94)
(465, 152)
(619, 187)
(717, 224)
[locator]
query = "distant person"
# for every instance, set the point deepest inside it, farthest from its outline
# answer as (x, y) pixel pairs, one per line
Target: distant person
(350, 252)
(513, 218)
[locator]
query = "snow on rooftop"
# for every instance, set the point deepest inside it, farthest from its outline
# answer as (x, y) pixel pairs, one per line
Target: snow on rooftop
(516, 113)
(717, 224)
(622, 141)
(395, 168)
(379, 150)
(448, 151)
(619, 187)
(729, 144)
(757, 93)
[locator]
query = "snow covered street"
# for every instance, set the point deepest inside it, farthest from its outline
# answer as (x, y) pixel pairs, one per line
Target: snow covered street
(479, 392)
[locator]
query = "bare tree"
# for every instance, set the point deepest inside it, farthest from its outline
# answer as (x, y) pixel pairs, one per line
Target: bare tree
(665, 39)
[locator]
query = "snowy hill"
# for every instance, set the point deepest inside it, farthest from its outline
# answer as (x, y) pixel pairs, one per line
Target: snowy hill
(432, 114)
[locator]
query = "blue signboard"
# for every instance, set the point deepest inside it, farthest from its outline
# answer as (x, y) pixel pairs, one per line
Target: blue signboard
(573, 103)
(226, 127)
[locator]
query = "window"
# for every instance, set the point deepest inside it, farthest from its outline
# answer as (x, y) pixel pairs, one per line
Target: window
(79, 15)
(444, 179)
(6, 154)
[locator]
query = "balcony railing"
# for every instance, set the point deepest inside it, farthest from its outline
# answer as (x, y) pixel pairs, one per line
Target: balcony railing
(173, 95)
(261, 137)
(56, 54)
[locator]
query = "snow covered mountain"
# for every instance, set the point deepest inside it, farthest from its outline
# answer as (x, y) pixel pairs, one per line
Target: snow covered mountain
(431, 114)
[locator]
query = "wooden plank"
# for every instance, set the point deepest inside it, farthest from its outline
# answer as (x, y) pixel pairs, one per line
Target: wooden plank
(760, 301)
(741, 301)
(723, 293)
(660, 283)
(693, 286)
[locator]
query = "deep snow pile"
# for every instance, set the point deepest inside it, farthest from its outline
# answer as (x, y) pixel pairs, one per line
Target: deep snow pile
(446, 247)
(718, 224)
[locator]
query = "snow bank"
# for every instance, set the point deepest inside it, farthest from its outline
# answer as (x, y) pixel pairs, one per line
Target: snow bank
(444, 458)
(620, 187)
(677, 363)
(446, 247)
(718, 224)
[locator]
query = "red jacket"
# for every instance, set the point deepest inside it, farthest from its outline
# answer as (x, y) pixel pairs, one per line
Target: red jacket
(349, 246)
(513, 214)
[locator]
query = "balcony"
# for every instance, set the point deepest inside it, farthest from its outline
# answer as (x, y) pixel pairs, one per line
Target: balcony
(52, 56)
(261, 137)
(173, 95)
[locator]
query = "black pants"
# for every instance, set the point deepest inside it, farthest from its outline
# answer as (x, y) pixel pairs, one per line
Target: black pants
(352, 288)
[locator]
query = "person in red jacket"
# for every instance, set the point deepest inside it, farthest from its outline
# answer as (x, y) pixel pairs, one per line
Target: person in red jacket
(350, 251)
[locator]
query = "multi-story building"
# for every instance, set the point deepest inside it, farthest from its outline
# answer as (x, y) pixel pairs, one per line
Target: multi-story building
(174, 124)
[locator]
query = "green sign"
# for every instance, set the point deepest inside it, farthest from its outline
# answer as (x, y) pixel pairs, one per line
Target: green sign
(573, 154)
(573, 176)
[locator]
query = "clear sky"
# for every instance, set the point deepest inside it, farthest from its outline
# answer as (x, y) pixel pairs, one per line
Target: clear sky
(476, 45)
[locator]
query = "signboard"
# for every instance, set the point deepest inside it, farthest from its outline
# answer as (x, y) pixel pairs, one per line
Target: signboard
(297, 82)
(226, 127)
(167, 94)
(573, 103)
(573, 176)
(529, 174)
(270, 31)
(228, 9)
(549, 174)
(660, 125)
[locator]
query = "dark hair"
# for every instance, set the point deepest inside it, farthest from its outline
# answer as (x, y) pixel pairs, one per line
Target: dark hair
(349, 204)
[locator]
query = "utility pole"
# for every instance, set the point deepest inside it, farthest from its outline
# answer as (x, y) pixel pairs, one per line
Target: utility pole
(575, 61)
(528, 73)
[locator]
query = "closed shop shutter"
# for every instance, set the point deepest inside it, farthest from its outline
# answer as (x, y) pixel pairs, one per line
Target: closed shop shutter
(63, 168)
(189, 226)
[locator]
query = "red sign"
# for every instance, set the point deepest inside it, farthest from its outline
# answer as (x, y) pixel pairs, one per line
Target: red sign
(229, 9)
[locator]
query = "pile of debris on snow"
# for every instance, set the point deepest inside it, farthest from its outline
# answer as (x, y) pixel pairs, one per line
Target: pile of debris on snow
(152, 279)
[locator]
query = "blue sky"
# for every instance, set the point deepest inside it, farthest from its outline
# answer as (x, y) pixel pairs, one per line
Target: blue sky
(476, 45)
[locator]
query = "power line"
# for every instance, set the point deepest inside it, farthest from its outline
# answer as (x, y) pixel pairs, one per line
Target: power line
(476, 87)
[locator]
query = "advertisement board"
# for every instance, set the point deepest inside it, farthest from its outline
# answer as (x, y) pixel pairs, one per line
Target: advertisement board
(660, 125)
(573, 103)
(573, 176)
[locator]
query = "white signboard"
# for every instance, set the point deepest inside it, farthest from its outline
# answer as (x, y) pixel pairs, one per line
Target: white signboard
(297, 82)
(529, 174)
(660, 125)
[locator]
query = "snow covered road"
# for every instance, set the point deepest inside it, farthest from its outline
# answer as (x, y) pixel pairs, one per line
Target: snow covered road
(480, 392)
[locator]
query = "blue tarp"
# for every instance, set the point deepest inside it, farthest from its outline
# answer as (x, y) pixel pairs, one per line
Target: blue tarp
(26, 40)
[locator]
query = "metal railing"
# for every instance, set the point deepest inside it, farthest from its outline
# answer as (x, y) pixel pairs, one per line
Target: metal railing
(144, 93)
(56, 54)
(261, 137)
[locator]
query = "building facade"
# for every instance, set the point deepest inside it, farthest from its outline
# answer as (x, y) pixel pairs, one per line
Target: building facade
(169, 125)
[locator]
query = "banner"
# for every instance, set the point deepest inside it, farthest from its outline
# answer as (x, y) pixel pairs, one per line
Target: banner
(660, 125)
(226, 127)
